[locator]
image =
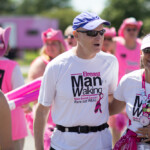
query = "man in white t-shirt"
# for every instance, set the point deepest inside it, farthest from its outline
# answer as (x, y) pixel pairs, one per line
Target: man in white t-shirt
(76, 86)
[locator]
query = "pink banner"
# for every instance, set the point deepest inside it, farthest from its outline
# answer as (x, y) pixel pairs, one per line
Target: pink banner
(21, 91)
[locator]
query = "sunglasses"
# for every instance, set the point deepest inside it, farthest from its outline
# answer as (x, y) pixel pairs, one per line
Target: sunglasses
(131, 29)
(107, 39)
(93, 33)
(70, 35)
(146, 50)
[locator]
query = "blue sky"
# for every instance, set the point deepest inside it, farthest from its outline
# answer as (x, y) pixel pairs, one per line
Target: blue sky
(89, 5)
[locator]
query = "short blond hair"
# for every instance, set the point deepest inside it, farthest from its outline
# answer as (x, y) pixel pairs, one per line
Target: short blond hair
(43, 50)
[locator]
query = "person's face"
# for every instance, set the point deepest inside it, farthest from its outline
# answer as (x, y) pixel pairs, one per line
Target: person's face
(107, 44)
(131, 32)
(52, 48)
(90, 44)
(70, 39)
(146, 60)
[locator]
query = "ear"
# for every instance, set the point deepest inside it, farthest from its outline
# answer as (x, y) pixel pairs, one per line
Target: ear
(75, 34)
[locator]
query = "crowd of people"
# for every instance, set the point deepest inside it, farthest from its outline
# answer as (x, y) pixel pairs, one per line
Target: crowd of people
(95, 89)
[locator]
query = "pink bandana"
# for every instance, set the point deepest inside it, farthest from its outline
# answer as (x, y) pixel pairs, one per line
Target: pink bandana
(128, 141)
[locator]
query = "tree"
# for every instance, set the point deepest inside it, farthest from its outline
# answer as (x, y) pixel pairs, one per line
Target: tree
(38, 6)
(6, 6)
(116, 11)
(64, 15)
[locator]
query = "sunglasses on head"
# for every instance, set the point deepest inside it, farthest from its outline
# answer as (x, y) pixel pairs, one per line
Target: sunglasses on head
(107, 39)
(93, 33)
(146, 50)
(70, 35)
(131, 29)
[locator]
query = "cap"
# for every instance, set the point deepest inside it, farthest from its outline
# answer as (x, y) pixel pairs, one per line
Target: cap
(145, 42)
(88, 20)
(4, 38)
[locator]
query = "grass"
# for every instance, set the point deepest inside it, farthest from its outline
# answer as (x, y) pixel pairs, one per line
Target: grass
(29, 56)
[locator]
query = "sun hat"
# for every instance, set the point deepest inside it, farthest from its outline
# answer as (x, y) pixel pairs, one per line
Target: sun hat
(88, 20)
(54, 35)
(110, 32)
(129, 21)
(4, 38)
(145, 42)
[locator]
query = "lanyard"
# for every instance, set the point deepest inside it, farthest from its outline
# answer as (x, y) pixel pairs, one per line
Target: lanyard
(144, 119)
(143, 84)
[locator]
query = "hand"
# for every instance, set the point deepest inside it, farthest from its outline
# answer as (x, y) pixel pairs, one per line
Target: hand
(144, 133)
(27, 108)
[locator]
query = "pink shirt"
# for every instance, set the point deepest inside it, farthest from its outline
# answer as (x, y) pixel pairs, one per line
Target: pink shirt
(19, 129)
(129, 60)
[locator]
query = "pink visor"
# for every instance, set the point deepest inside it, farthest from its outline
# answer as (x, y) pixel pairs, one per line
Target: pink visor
(110, 32)
(4, 38)
(54, 35)
(129, 21)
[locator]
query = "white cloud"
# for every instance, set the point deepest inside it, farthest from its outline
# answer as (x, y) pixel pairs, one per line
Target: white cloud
(96, 6)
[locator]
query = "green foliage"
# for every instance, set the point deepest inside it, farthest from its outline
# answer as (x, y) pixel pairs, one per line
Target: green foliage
(6, 6)
(117, 10)
(64, 15)
(38, 6)
(29, 56)
(26, 7)
(58, 9)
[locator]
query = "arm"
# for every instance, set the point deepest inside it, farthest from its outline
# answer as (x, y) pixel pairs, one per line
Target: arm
(36, 70)
(40, 120)
(110, 98)
(5, 125)
(116, 106)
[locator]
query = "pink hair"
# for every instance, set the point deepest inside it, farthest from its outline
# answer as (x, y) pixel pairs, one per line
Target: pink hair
(110, 32)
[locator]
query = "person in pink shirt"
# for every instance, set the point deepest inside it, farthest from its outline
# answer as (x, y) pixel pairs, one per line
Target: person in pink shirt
(53, 45)
(128, 46)
(11, 78)
(127, 51)
(109, 47)
(108, 44)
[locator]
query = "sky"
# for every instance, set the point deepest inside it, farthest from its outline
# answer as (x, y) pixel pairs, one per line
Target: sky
(96, 6)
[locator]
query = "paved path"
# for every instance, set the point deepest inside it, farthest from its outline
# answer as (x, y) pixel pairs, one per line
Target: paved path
(29, 143)
(24, 69)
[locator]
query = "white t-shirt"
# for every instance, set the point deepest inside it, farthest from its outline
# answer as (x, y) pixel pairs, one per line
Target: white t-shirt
(72, 86)
(16, 78)
(19, 81)
(129, 91)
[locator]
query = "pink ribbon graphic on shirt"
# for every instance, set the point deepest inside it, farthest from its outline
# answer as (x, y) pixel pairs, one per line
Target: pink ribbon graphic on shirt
(98, 104)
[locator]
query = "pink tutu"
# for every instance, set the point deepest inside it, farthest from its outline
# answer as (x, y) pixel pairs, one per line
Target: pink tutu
(48, 130)
(118, 121)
